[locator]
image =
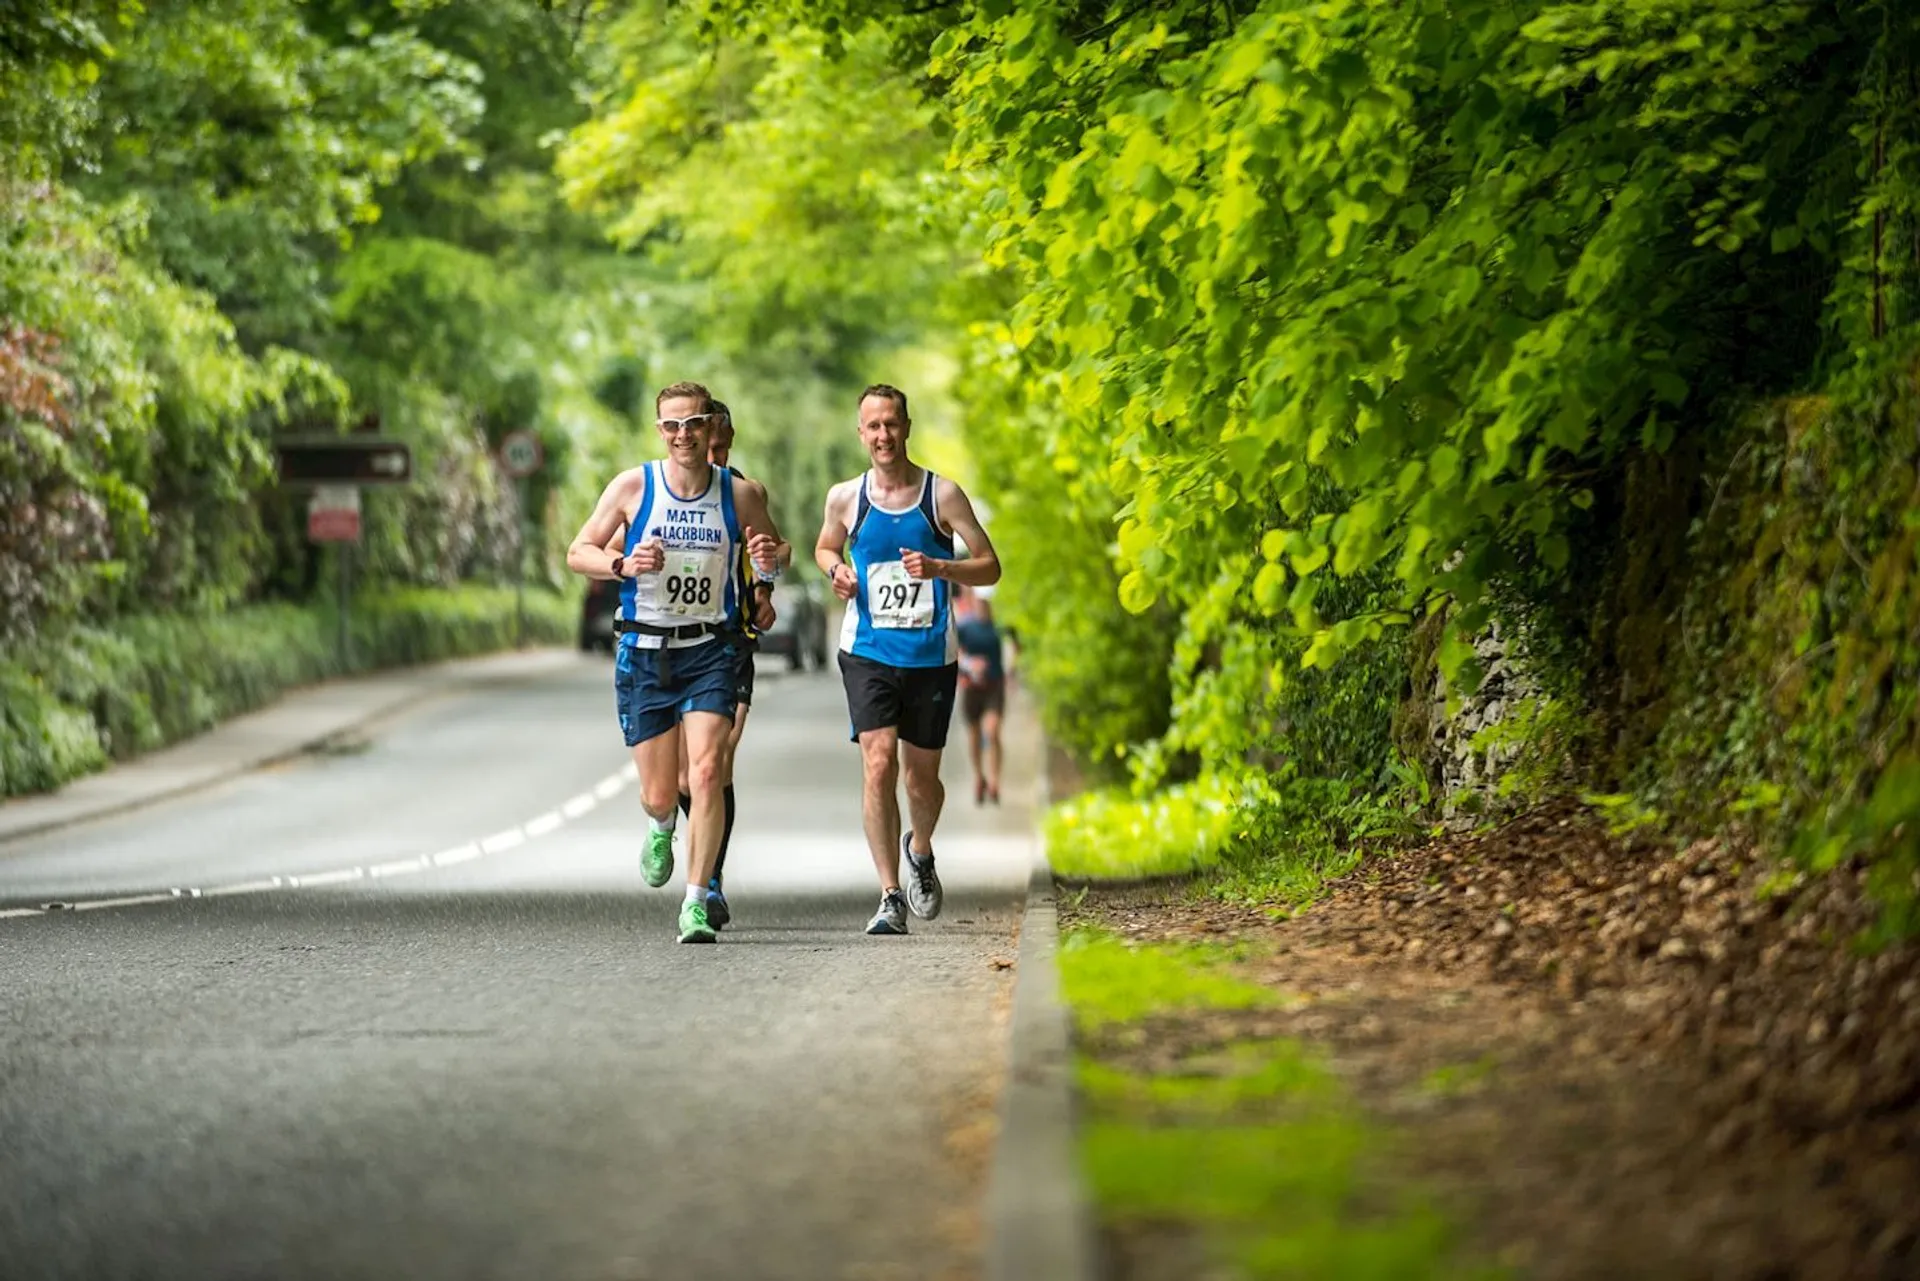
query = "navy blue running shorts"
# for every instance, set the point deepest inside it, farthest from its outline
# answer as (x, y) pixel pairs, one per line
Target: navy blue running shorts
(654, 688)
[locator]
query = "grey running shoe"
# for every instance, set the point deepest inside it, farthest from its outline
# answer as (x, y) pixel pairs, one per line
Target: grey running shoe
(892, 916)
(924, 894)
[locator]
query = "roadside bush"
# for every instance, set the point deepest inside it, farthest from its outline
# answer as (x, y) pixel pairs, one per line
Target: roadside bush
(1114, 835)
(70, 705)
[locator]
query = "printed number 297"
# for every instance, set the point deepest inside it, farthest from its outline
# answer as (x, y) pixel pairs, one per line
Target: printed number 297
(895, 597)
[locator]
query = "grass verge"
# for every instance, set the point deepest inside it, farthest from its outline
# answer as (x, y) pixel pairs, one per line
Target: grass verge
(1214, 1148)
(1260, 841)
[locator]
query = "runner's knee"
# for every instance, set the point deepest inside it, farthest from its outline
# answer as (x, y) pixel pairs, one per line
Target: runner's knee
(658, 797)
(706, 773)
(923, 771)
(879, 756)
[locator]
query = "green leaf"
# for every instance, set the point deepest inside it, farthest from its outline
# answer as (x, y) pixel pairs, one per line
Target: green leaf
(1268, 586)
(1136, 593)
(1311, 560)
(1669, 386)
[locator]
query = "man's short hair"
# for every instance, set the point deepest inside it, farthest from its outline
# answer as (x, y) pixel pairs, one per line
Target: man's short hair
(890, 392)
(695, 391)
(720, 407)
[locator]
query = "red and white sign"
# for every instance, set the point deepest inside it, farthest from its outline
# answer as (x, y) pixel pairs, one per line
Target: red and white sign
(333, 514)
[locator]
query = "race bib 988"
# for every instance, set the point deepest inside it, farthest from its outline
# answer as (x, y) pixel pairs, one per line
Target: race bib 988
(692, 584)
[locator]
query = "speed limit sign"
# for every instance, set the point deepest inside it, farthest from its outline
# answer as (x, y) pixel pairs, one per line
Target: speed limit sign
(520, 454)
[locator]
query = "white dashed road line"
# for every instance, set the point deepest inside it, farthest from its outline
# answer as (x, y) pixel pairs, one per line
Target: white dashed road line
(539, 825)
(459, 854)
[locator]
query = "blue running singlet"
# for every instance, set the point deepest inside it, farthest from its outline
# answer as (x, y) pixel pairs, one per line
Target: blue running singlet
(898, 620)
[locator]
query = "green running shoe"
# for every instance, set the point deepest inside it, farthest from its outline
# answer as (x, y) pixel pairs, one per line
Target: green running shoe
(693, 924)
(657, 863)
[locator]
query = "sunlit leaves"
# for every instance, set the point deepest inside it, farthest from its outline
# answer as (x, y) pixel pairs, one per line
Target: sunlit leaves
(1390, 244)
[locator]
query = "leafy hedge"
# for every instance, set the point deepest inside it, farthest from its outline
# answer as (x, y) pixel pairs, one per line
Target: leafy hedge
(68, 707)
(1271, 836)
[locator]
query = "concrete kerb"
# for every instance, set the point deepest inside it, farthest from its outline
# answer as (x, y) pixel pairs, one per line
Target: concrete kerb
(1039, 1225)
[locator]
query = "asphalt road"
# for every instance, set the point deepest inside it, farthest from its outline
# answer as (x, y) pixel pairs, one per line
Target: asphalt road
(407, 1010)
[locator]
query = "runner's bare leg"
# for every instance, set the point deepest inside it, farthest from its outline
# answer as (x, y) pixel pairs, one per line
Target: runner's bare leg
(926, 794)
(879, 803)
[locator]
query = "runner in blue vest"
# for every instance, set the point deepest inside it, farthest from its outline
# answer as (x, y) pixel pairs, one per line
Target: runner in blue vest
(680, 611)
(887, 543)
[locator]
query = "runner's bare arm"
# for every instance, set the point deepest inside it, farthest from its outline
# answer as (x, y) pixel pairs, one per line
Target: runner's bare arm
(980, 567)
(589, 552)
(830, 549)
(752, 490)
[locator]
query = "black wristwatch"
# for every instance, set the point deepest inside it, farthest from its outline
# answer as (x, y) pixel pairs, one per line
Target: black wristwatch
(619, 563)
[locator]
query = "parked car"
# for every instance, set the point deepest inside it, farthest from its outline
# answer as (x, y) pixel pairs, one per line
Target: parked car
(800, 632)
(596, 614)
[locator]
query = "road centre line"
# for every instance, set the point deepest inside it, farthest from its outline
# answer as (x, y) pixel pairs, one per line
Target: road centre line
(508, 838)
(458, 854)
(131, 900)
(245, 887)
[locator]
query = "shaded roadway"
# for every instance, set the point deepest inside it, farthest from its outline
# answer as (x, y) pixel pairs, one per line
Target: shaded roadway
(502, 1066)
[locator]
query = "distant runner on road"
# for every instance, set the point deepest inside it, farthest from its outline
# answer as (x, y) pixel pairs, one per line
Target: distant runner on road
(679, 621)
(886, 542)
(758, 616)
(983, 690)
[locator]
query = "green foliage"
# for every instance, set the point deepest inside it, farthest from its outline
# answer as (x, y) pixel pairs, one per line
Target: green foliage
(1537, 745)
(789, 209)
(1302, 832)
(1106, 980)
(254, 143)
(128, 425)
(51, 54)
(801, 195)
(1795, 669)
(1265, 838)
(1466, 281)
(1114, 835)
(186, 186)
(1317, 320)
(73, 703)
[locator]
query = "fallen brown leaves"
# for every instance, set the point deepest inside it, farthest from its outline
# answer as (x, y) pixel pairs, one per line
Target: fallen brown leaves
(1684, 1077)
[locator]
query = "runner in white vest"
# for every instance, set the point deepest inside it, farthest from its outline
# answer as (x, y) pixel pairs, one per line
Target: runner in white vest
(684, 524)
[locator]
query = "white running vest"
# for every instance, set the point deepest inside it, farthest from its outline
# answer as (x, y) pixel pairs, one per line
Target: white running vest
(701, 536)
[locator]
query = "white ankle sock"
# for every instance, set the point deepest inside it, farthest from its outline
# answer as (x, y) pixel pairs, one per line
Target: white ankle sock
(696, 893)
(662, 825)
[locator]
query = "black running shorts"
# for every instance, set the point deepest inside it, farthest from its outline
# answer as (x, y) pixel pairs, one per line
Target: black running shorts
(743, 677)
(918, 701)
(980, 697)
